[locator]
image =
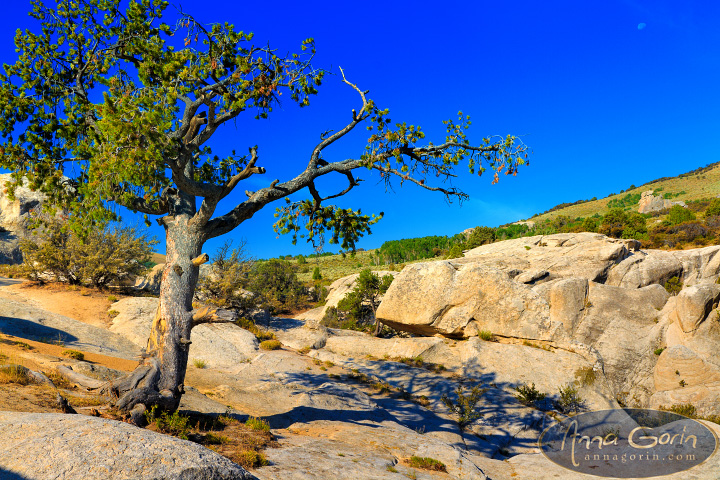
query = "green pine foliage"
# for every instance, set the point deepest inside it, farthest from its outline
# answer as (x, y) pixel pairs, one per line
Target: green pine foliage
(356, 310)
(411, 249)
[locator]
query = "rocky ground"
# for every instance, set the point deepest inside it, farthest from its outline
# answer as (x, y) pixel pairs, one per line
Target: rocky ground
(579, 310)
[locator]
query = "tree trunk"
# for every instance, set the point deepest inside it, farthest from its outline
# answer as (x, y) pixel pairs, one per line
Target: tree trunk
(377, 322)
(160, 376)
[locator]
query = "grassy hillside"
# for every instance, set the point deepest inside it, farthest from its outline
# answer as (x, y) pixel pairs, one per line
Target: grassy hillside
(698, 184)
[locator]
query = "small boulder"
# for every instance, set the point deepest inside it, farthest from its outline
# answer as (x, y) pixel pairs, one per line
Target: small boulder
(694, 304)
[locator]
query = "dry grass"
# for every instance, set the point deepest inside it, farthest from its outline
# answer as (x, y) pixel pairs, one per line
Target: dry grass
(426, 463)
(237, 441)
(270, 345)
(14, 374)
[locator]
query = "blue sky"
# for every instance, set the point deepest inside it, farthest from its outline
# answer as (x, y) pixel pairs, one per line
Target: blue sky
(602, 103)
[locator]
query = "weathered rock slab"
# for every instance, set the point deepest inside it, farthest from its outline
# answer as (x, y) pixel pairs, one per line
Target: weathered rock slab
(43, 446)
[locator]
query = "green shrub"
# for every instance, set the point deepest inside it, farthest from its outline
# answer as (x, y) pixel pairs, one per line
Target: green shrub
(619, 224)
(331, 319)
(628, 200)
(427, 463)
(412, 361)
(528, 394)
(679, 214)
(486, 335)
(590, 225)
(14, 374)
(359, 305)
(570, 399)
(98, 258)
(713, 209)
(174, 424)
(214, 439)
(270, 345)
(199, 363)
(23, 345)
(465, 408)
(456, 251)
(658, 351)
(112, 298)
(113, 313)
(258, 424)
(251, 459)
(74, 354)
(316, 274)
(673, 286)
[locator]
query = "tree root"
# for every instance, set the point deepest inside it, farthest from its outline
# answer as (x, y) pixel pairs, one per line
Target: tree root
(132, 393)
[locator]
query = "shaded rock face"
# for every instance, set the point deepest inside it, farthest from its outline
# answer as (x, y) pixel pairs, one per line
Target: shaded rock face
(13, 218)
(39, 446)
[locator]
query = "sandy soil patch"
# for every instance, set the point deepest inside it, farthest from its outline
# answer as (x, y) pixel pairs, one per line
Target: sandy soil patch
(86, 305)
(34, 357)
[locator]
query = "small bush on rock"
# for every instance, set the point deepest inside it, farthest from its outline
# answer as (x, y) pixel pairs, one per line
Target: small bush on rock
(427, 463)
(570, 399)
(74, 354)
(465, 408)
(673, 286)
(258, 424)
(528, 394)
(270, 345)
(486, 335)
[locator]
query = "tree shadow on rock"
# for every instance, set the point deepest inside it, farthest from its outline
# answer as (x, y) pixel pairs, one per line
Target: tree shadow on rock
(30, 330)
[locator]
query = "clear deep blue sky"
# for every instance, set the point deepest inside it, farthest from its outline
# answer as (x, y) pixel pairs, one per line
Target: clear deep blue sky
(602, 102)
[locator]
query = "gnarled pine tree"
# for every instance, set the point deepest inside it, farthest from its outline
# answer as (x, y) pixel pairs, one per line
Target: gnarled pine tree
(109, 106)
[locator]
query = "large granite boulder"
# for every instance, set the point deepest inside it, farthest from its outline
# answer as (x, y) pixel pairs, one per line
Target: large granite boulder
(223, 345)
(460, 300)
(682, 376)
(694, 304)
(40, 446)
